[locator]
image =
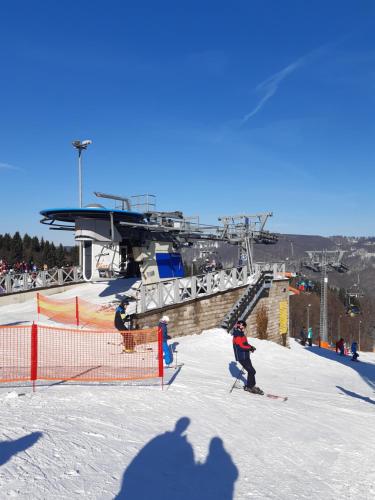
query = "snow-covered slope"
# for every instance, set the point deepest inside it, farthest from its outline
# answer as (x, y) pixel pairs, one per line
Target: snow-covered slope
(195, 440)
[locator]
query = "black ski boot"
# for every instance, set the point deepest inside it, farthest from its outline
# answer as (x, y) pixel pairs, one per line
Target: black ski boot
(254, 390)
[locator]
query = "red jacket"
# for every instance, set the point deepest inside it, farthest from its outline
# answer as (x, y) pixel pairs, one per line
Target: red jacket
(241, 346)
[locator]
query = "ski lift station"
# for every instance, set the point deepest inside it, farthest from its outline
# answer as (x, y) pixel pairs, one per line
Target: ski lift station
(134, 239)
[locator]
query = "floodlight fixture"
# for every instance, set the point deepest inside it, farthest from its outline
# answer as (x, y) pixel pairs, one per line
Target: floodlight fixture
(82, 144)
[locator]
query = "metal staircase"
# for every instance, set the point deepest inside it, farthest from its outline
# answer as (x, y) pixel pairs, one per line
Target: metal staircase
(246, 303)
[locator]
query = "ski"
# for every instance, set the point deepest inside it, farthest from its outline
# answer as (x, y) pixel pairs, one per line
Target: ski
(274, 396)
(268, 395)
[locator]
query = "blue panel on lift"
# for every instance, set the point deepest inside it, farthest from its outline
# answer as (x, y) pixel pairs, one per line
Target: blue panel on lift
(170, 265)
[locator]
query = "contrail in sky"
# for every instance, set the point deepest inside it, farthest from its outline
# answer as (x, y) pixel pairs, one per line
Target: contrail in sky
(271, 84)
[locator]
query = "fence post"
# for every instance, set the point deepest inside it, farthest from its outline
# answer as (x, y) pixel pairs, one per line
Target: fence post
(160, 294)
(221, 280)
(209, 283)
(176, 290)
(25, 283)
(143, 299)
(60, 277)
(77, 311)
(160, 356)
(34, 354)
(37, 304)
(8, 283)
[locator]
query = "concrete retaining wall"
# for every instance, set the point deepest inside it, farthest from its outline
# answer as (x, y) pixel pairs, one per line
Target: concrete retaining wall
(19, 297)
(192, 317)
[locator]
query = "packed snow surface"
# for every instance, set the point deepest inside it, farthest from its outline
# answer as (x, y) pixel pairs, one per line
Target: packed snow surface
(194, 439)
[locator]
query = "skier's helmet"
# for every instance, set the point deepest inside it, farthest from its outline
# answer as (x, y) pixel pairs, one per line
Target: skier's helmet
(242, 323)
(165, 319)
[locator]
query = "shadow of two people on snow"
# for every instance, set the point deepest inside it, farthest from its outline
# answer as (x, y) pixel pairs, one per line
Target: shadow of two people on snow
(166, 468)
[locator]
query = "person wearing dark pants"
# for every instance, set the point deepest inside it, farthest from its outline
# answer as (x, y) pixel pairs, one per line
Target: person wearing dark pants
(242, 350)
(122, 322)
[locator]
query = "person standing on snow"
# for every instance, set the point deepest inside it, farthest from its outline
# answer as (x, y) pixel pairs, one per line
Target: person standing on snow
(163, 328)
(340, 346)
(310, 335)
(122, 324)
(354, 349)
(242, 350)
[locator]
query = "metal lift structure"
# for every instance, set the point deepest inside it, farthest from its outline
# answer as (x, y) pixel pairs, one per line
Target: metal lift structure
(323, 261)
(136, 221)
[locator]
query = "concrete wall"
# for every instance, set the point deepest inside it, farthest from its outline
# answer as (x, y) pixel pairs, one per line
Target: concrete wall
(19, 297)
(194, 316)
(278, 293)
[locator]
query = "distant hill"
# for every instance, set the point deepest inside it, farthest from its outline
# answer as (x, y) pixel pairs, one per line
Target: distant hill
(359, 257)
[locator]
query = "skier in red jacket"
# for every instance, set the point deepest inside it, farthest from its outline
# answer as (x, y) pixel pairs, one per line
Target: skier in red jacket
(242, 350)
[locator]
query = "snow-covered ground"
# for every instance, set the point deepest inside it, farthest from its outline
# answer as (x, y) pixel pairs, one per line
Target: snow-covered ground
(194, 439)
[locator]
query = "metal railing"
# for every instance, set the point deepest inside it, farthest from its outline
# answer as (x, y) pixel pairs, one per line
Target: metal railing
(248, 300)
(177, 290)
(21, 282)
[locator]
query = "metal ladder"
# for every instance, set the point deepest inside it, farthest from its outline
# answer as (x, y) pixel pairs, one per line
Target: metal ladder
(246, 303)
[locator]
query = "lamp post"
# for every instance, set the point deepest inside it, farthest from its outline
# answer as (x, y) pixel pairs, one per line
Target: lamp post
(339, 327)
(80, 146)
(359, 335)
(308, 316)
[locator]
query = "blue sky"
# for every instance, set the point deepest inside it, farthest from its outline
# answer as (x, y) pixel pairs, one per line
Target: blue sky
(216, 107)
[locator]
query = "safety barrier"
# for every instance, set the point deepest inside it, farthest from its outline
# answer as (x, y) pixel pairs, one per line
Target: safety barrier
(76, 311)
(21, 282)
(177, 290)
(34, 352)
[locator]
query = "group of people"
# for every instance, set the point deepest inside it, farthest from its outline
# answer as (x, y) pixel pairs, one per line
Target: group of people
(19, 267)
(342, 351)
(124, 324)
(242, 348)
(305, 285)
(210, 266)
(307, 336)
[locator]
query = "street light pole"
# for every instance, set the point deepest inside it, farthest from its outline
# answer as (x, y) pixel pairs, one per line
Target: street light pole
(359, 335)
(80, 177)
(308, 316)
(80, 146)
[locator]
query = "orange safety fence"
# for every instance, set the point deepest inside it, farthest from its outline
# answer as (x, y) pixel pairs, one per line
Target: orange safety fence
(76, 311)
(102, 316)
(30, 353)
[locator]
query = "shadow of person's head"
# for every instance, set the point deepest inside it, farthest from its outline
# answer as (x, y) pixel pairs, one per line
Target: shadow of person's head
(181, 425)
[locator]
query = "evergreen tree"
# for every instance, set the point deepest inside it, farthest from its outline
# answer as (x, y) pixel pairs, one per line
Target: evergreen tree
(60, 256)
(7, 241)
(16, 250)
(35, 245)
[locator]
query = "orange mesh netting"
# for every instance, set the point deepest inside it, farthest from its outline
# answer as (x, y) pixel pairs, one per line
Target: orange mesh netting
(77, 311)
(50, 353)
(101, 316)
(61, 311)
(15, 353)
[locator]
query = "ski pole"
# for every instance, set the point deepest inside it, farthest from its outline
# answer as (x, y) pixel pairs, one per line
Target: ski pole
(238, 377)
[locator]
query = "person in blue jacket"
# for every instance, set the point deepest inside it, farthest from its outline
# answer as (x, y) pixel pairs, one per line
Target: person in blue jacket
(354, 349)
(163, 328)
(242, 350)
